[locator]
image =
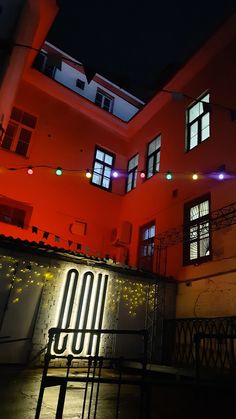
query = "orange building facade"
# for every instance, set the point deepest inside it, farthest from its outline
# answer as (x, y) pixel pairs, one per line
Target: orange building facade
(178, 228)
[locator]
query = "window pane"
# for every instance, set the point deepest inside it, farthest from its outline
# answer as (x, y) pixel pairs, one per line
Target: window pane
(204, 230)
(204, 208)
(133, 162)
(98, 99)
(108, 159)
(99, 155)
(97, 179)
(193, 142)
(29, 120)
(129, 182)
(22, 148)
(98, 167)
(158, 162)
(25, 135)
(194, 213)
(9, 136)
(205, 133)
(193, 129)
(152, 231)
(150, 167)
(135, 178)
(193, 233)
(106, 182)
(194, 112)
(193, 251)
(204, 247)
(107, 172)
(151, 147)
(205, 120)
(106, 104)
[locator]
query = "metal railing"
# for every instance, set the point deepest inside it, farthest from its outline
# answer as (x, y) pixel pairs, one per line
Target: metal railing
(93, 372)
(179, 342)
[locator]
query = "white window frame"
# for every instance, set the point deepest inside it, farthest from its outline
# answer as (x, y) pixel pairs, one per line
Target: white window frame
(198, 122)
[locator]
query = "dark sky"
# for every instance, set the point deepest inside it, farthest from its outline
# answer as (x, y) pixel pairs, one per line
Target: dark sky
(137, 45)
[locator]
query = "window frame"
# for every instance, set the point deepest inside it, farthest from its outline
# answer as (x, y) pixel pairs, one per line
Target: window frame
(153, 155)
(104, 95)
(19, 126)
(197, 120)
(105, 165)
(146, 262)
(14, 206)
(133, 173)
(188, 224)
(80, 84)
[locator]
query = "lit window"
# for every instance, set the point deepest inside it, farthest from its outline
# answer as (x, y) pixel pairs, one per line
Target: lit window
(153, 157)
(104, 100)
(102, 168)
(198, 122)
(146, 247)
(197, 230)
(132, 173)
(19, 132)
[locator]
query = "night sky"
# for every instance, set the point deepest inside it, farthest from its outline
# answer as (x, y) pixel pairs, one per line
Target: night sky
(137, 45)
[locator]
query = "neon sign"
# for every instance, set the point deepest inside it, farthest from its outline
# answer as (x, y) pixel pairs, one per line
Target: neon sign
(82, 307)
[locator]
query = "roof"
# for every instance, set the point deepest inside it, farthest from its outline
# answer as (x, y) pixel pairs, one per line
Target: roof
(44, 250)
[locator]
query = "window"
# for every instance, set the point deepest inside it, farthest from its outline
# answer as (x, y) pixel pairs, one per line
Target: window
(80, 84)
(198, 122)
(132, 173)
(197, 230)
(153, 157)
(48, 63)
(146, 247)
(14, 212)
(102, 168)
(19, 132)
(104, 100)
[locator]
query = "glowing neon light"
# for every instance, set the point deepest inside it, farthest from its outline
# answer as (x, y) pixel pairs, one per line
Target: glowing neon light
(89, 295)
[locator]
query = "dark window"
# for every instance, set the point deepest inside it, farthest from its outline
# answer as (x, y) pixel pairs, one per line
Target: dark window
(132, 173)
(19, 132)
(198, 122)
(102, 168)
(197, 246)
(48, 63)
(146, 246)
(80, 84)
(104, 100)
(153, 157)
(11, 214)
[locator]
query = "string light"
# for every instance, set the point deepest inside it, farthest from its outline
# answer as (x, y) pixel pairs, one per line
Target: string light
(195, 176)
(142, 174)
(168, 176)
(115, 174)
(221, 176)
(30, 170)
(88, 174)
(58, 171)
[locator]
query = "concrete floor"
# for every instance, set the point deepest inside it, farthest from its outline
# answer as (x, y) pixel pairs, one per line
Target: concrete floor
(19, 389)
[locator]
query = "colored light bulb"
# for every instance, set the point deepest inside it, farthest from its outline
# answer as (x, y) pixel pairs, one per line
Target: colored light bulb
(221, 176)
(30, 170)
(115, 174)
(169, 176)
(58, 171)
(142, 175)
